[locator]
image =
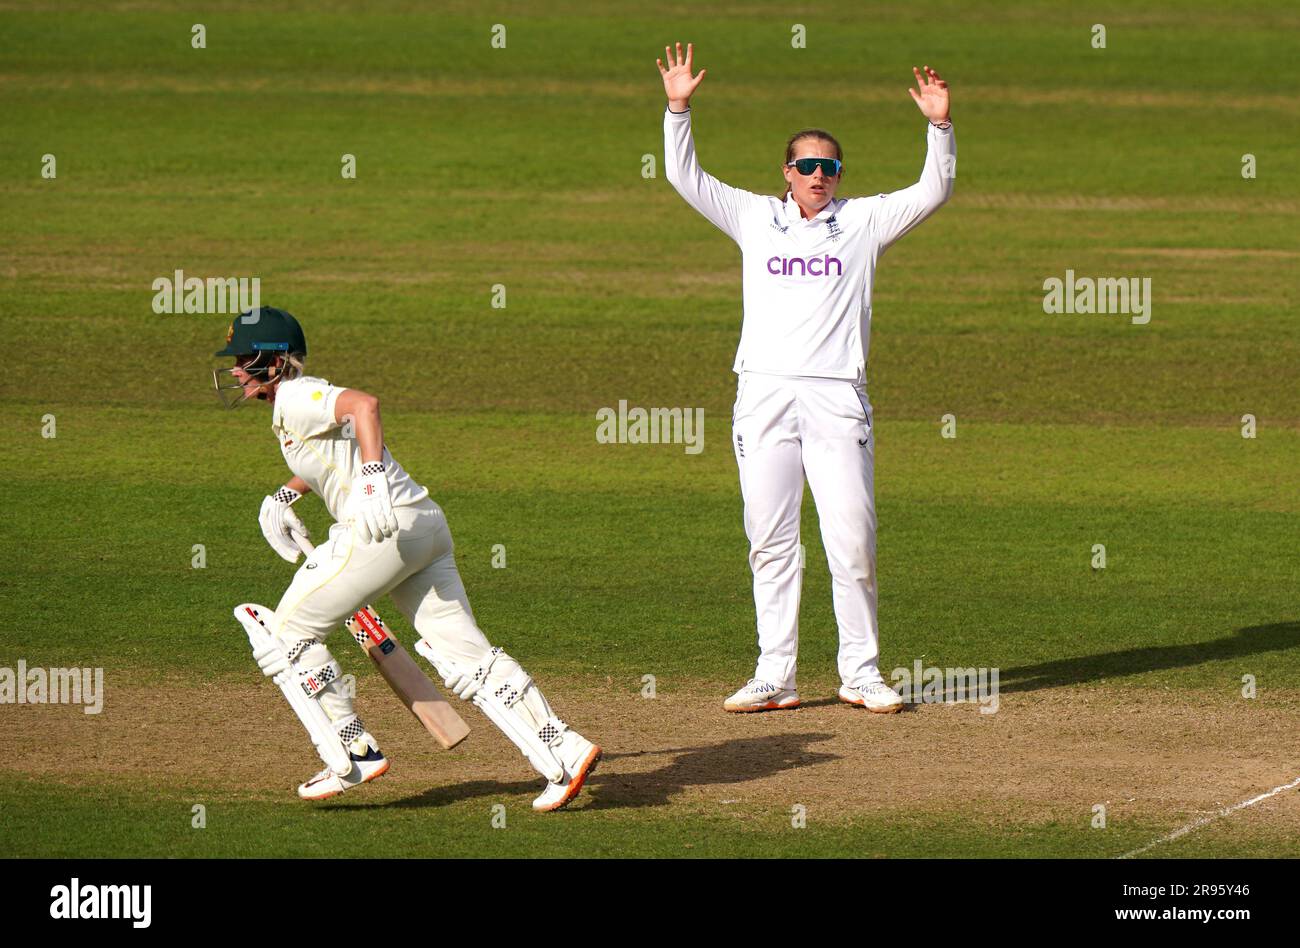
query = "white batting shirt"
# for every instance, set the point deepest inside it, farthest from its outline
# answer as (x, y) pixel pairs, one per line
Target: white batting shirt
(807, 283)
(316, 449)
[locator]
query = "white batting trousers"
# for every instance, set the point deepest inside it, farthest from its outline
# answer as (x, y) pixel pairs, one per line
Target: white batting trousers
(416, 567)
(783, 428)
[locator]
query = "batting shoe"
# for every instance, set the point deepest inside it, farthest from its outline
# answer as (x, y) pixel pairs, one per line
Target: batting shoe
(874, 696)
(366, 766)
(761, 696)
(579, 757)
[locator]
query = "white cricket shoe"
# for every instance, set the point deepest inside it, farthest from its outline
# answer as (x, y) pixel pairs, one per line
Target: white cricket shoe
(366, 766)
(761, 696)
(874, 696)
(579, 757)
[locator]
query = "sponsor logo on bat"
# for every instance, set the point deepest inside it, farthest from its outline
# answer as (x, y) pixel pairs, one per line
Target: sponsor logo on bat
(374, 628)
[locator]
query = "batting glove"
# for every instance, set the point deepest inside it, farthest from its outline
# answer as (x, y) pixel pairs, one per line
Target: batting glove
(465, 683)
(374, 517)
(462, 686)
(279, 522)
(270, 657)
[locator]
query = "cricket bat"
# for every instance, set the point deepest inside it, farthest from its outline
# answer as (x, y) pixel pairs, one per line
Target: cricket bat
(404, 676)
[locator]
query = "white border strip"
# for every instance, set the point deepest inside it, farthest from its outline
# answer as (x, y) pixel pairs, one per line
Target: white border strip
(1183, 831)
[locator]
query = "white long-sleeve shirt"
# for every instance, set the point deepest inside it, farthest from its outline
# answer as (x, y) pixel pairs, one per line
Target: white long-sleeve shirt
(807, 283)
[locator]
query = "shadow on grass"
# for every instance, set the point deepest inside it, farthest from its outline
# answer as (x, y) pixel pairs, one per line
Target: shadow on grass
(733, 761)
(1137, 661)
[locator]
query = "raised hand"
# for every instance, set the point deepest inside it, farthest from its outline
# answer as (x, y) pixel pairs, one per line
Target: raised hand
(930, 95)
(678, 83)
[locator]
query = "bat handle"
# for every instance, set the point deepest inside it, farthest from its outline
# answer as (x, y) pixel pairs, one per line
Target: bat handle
(302, 542)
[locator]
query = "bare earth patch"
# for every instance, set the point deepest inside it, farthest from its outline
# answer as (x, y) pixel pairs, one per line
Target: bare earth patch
(1044, 755)
(1207, 253)
(1123, 203)
(613, 90)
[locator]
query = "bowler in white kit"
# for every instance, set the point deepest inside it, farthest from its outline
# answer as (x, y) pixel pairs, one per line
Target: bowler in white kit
(808, 262)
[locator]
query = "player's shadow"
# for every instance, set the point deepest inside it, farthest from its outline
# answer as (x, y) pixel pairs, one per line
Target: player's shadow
(725, 762)
(1243, 643)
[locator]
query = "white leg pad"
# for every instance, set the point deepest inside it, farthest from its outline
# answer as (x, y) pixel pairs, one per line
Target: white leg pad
(298, 692)
(503, 691)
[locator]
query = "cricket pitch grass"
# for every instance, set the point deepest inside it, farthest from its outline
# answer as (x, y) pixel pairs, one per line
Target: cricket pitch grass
(1142, 692)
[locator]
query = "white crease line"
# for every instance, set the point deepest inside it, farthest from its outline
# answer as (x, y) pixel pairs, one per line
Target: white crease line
(1183, 831)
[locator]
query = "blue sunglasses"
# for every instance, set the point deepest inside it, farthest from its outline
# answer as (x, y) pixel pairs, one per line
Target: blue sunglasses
(806, 166)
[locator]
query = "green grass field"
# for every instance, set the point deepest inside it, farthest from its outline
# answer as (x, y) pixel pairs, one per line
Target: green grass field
(522, 166)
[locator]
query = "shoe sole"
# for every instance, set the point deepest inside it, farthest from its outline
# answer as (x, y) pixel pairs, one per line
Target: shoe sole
(575, 785)
(336, 793)
(770, 706)
(892, 709)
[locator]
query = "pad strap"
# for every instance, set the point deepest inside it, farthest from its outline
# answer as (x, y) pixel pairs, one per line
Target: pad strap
(314, 680)
(468, 690)
(298, 647)
(349, 728)
(552, 731)
(514, 688)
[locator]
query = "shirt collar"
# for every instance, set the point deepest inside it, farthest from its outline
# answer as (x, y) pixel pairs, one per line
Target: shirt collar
(793, 213)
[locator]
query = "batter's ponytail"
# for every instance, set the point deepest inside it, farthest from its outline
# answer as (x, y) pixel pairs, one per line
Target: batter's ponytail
(294, 366)
(818, 133)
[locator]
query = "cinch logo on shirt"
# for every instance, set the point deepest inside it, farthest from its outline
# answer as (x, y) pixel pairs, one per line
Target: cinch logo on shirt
(816, 266)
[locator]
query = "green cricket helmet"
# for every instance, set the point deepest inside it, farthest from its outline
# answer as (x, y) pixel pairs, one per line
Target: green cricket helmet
(261, 342)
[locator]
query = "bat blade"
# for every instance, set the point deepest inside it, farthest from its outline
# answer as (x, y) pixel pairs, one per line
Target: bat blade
(407, 680)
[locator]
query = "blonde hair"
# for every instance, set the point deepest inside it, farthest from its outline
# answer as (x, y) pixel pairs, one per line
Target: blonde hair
(294, 366)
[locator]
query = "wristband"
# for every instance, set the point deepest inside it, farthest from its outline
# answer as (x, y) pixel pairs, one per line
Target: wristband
(372, 467)
(286, 495)
(947, 124)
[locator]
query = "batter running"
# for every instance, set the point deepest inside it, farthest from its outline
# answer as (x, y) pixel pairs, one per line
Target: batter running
(389, 538)
(808, 262)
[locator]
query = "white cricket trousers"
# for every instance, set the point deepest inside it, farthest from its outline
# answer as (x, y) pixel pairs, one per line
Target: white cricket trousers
(783, 428)
(416, 567)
